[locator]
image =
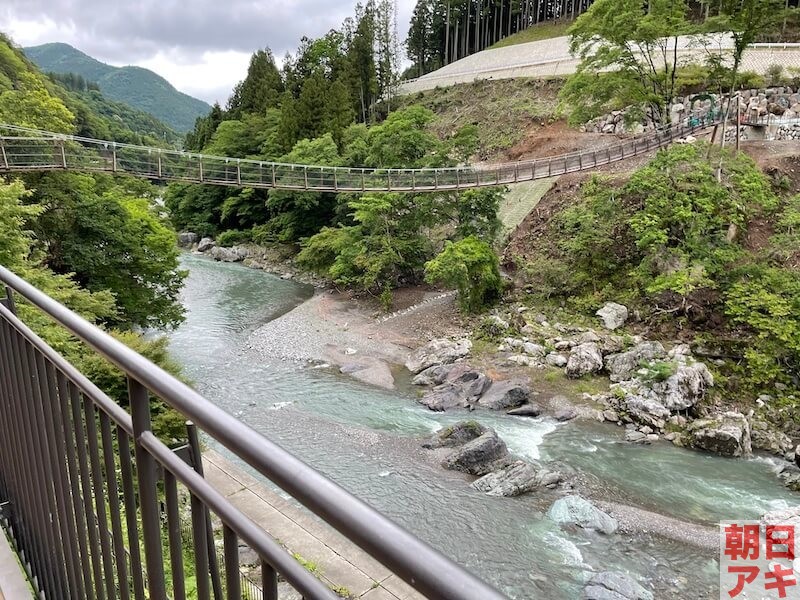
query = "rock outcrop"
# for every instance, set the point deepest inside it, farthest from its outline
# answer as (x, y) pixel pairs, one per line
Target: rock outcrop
(526, 410)
(462, 391)
(503, 395)
(623, 366)
(584, 359)
(456, 435)
(187, 239)
(613, 315)
(727, 434)
(516, 478)
(479, 456)
(574, 510)
(612, 585)
(206, 244)
(438, 352)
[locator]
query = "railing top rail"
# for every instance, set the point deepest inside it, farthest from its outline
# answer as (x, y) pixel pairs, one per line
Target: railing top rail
(423, 567)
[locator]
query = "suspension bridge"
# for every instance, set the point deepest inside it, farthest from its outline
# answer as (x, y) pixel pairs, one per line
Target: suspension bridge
(23, 149)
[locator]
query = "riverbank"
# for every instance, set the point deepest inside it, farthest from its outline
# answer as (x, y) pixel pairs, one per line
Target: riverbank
(334, 328)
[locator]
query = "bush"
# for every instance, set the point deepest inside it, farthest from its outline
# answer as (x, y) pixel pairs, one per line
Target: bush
(232, 237)
(471, 266)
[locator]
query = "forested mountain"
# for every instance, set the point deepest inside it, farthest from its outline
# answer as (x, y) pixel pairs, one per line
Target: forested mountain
(137, 87)
(137, 121)
(443, 31)
(97, 243)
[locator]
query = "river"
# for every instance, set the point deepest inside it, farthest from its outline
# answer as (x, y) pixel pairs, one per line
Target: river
(367, 440)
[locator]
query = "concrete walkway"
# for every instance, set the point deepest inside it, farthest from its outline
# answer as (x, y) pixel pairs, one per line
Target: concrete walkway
(341, 563)
(13, 581)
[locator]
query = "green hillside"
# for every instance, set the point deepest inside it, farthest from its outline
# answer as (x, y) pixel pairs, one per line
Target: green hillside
(140, 88)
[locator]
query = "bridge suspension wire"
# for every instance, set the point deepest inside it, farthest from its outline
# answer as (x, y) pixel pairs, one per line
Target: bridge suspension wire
(36, 150)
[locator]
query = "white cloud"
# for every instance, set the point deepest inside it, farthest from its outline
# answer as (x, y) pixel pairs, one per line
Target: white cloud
(202, 49)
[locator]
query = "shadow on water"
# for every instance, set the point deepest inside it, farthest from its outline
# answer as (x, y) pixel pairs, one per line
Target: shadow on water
(368, 441)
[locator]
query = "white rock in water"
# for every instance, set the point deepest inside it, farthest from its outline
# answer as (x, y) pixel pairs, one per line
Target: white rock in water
(613, 315)
(574, 510)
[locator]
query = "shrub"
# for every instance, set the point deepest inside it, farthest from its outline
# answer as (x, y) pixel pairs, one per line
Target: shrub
(232, 237)
(471, 266)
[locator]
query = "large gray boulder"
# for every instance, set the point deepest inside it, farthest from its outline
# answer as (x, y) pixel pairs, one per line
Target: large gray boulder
(516, 478)
(727, 434)
(456, 435)
(502, 395)
(574, 510)
(479, 456)
(584, 359)
(438, 374)
(187, 239)
(623, 366)
(438, 352)
(611, 585)
(206, 244)
(764, 437)
(235, 254)
(526, 410)
(613, 315)
(462, 391)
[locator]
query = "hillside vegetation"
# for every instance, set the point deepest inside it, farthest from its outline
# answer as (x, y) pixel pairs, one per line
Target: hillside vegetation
(138, 87)
(98, 244)
(710, 260)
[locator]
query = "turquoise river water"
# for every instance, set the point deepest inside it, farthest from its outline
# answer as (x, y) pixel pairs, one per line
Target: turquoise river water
(367, 440)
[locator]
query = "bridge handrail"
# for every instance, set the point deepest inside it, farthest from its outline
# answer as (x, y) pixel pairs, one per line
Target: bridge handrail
(421, 566)
(243, 172)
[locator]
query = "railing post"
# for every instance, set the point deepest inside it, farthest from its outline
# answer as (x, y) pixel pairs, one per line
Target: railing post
(413, 181)
(9, 301)
(3, 152)
(159, 164)
(197, 464)
(389, 180)
(274, 178)
(239, 171)
(363, 181)
(114, 157)
(516, 173)
(305, 176)
(200, 158)
(63, 155)
(139, 399)
(335, 180)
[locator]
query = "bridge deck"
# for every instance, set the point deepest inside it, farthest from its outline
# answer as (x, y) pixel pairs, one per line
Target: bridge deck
(44, 151)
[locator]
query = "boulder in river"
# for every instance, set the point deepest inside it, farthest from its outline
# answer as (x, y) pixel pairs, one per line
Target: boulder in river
(574, 510)
(456, 435)
(438, 352)
(526, 410)
(613, 315)
(584, 359)
(612, 585)
(516, 478)
(206, 244)
(726, 433)
(479, 456)
(462, 391)
(505, 394)
(235, 254)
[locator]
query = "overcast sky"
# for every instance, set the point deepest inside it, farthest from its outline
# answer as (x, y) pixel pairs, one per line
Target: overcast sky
(201, 46)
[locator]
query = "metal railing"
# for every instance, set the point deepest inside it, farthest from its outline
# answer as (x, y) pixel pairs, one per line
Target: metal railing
(72, 461)
(43, 151)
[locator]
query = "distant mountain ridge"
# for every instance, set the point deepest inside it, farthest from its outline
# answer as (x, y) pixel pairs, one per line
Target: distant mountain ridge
(138, 87)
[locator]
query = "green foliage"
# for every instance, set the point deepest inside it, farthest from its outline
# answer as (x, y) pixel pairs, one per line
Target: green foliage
(403, 141)
(675, 240)
(16, 212)
(111, 237)
(471, 266)
(31, 105)
(632, 40)
(659, 371)
(233, 237)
